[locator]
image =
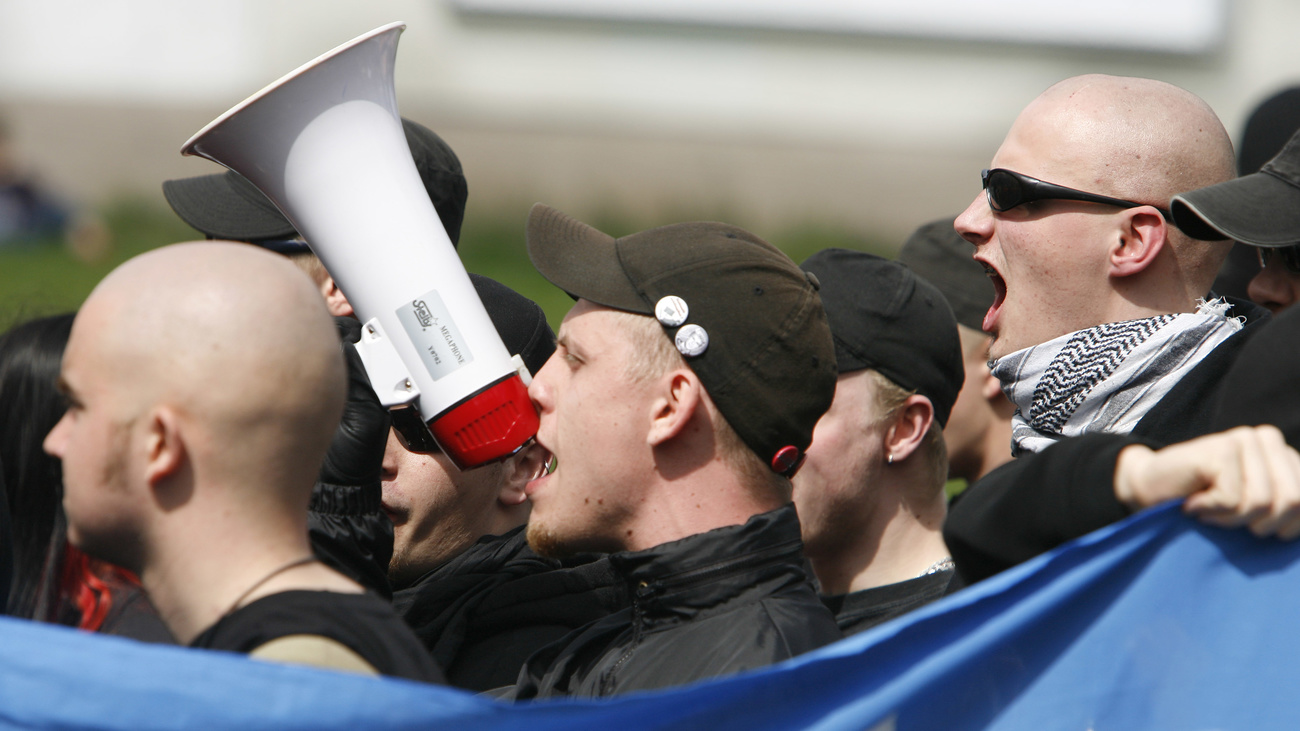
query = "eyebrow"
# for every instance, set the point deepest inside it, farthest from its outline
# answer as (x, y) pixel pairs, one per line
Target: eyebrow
(66, 389)
(564, 341)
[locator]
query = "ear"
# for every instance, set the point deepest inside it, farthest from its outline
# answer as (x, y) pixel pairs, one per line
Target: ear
(908, 431)
(335, 301)
(991, 388)
(674, 406)
(997, 398)
(1142, 236)
(165, 450)
(522, 468)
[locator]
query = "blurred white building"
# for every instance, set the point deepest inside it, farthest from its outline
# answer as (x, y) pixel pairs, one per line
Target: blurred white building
(874, 115)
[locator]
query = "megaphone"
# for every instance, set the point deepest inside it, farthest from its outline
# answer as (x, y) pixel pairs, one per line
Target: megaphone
(325, 144)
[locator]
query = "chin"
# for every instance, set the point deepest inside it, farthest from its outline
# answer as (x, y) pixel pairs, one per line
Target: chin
(549, 542)
(546, 542)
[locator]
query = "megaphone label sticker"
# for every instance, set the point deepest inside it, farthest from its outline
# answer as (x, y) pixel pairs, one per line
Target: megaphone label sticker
(434, 334)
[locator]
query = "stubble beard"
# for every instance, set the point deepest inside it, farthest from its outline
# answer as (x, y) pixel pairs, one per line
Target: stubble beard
(546, 542)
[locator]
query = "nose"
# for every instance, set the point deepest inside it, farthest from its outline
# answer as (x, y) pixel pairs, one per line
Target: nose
(1274, 287)
(540, 389)
(975, 224)
(56, 441)
(388, 468)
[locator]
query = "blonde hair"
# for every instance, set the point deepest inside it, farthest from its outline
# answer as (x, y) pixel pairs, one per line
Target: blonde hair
(311, 264)
(654, 355)
(890, 400)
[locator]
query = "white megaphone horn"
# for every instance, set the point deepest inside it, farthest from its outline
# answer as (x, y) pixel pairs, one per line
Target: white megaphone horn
(325, 144)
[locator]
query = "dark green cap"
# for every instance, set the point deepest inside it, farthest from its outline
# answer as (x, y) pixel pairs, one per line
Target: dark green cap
(768, 361)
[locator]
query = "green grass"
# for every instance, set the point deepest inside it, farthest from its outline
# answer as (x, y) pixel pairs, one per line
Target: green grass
(46, 279)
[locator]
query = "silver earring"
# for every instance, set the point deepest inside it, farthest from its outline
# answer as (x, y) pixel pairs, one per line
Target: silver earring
(890, 460)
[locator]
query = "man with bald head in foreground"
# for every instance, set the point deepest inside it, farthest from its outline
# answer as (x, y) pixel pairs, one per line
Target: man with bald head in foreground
(204, 384)
(1101, 329)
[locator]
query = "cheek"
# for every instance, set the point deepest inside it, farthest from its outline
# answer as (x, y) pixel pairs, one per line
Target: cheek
(426, 485)
(820, 471)
(77, 452)
(828, 439)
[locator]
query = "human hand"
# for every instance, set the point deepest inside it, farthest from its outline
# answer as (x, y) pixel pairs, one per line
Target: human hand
(1245, 476)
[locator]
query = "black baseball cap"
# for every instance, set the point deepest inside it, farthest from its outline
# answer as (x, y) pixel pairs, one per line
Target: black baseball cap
(227, 206)
(886, 318)
(1260, 209)
(744, 316)
(943, 258)
(519, 321)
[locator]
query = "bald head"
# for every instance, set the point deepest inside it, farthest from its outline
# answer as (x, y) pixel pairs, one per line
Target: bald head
(1135, 139)
(236, 341)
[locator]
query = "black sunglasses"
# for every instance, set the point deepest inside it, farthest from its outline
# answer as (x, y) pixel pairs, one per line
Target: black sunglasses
(1007, 189)
(1290, 256)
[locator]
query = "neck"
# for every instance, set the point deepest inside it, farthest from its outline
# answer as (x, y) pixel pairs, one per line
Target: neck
(200, 568)
(709, 497)
(898, 542)
(996, 450)
(1160, 289)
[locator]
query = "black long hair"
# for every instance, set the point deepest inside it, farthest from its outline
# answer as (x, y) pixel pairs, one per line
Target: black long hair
(30, 406)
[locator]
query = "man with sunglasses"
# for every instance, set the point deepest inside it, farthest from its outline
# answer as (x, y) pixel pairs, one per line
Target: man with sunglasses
(1100, 325)
(463, 575)
(1261, 210)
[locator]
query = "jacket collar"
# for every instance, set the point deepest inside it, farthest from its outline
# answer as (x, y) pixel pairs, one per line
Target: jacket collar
(682, 578)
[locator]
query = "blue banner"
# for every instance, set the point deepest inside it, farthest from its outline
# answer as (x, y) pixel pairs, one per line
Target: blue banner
(1155, 623)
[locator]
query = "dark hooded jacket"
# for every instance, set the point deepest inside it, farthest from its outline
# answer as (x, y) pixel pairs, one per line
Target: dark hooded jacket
(716, 603)
(484, 612)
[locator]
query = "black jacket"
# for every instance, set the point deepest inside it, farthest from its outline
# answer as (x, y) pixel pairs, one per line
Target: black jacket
(712, 604)
(346, 523)
(350, 533)
(484, 612)
(1039, 501)
(861, 610)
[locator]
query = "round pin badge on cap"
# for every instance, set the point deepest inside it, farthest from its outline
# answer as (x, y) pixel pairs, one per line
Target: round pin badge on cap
(692, 340)
(786, 459)
(671, 311)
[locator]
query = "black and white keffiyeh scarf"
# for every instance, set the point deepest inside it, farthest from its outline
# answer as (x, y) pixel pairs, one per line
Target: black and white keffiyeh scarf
(1105, 378)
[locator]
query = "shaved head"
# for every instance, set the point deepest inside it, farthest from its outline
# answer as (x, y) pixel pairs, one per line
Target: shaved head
(1135, 139)
(1060, 265)
(236, 341)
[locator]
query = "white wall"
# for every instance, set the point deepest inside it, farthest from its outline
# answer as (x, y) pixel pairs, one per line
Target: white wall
(875, 132)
